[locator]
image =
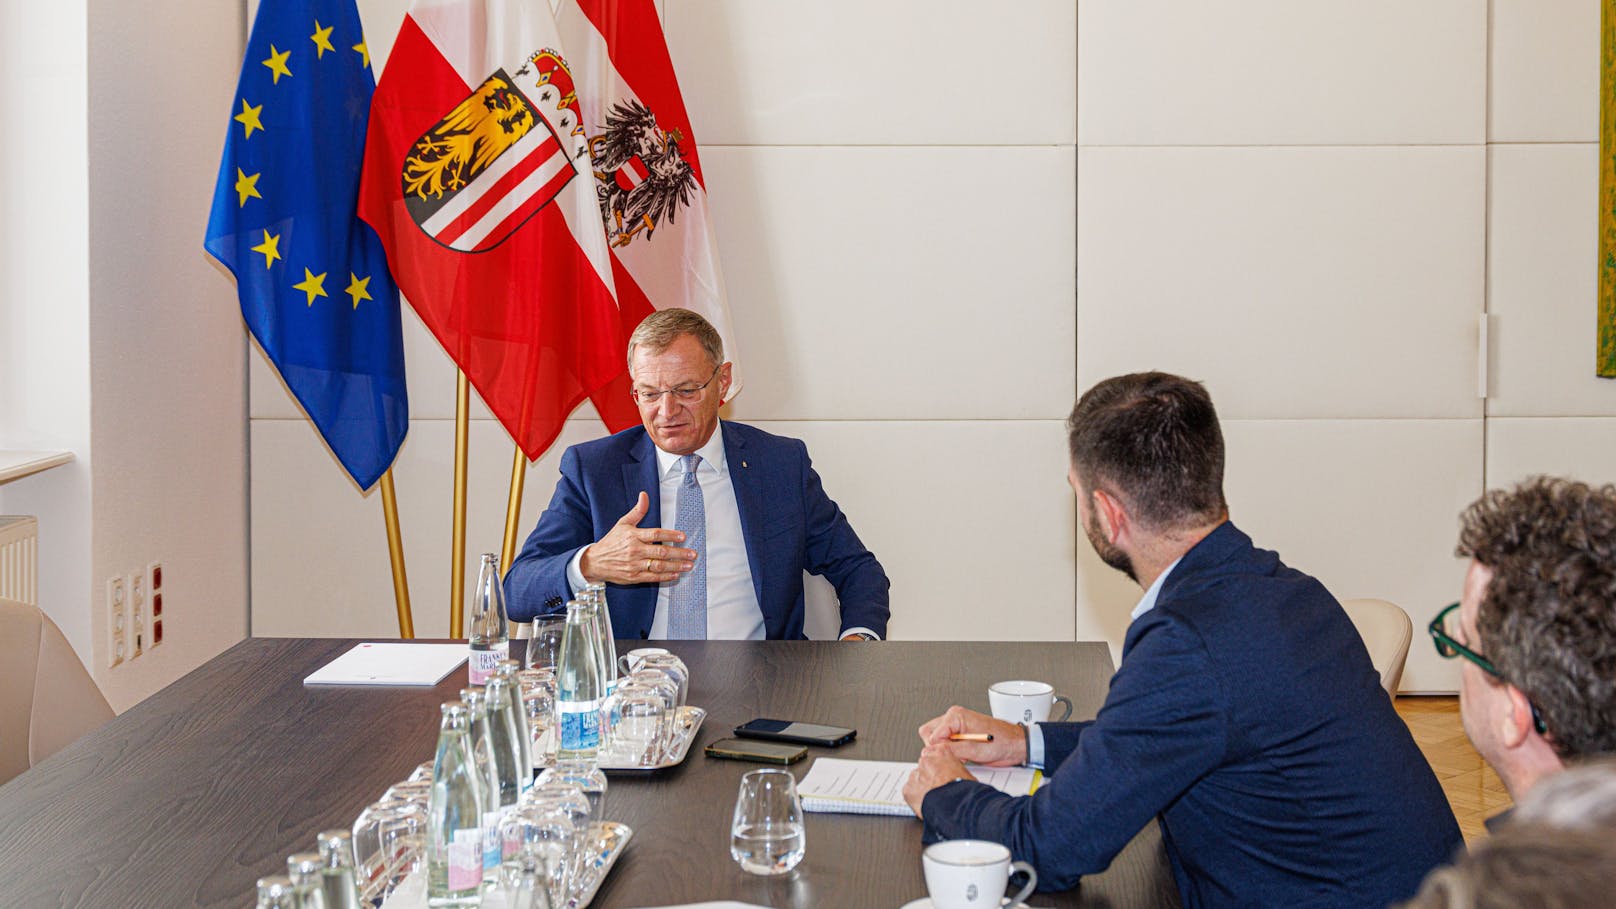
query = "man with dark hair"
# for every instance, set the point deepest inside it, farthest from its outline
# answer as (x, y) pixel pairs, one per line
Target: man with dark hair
(1245, 715)
(1537, 627)
(700, 528)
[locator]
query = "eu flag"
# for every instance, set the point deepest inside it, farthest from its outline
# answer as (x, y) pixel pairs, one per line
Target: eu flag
(312, 277)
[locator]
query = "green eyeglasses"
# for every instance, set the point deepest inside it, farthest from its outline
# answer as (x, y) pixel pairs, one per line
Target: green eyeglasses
(1449, 648)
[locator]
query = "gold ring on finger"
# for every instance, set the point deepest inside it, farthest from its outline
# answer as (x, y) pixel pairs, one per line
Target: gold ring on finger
(648, 565)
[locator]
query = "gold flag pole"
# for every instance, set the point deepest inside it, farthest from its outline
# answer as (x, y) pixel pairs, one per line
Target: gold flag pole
(513, 508)
(457, 558)
(395, 554)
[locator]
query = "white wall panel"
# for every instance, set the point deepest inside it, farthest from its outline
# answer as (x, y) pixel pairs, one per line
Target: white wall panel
(998, 545)
(1545, 71)
(972, 521)
(1298, 282)
(320, 550)
(882, 283)
(1278, 72)
(849, 72)
(1369, 507)
(1541, 282)
(1579, 448)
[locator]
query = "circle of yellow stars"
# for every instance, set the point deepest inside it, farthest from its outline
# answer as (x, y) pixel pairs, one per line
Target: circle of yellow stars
(251, 120)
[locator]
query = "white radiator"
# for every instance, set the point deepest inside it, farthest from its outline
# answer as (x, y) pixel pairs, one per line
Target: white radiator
(19, 558)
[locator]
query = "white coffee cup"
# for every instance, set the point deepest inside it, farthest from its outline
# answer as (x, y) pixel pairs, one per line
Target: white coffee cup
(631, 662)
(972, 874)
(1025, 701)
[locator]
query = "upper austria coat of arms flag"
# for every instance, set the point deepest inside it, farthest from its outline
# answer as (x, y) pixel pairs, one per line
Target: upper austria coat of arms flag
(312, 278)
(478, 180)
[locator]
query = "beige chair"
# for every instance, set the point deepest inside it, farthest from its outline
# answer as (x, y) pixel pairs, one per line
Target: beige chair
(47, 698)
(1387, 632)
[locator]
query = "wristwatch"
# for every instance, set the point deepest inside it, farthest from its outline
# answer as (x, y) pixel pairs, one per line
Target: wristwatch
(864, 636)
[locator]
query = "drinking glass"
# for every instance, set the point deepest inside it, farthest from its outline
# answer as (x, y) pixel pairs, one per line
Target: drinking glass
(675, 669)
(663, 681)
(767, 836)
(544, 642)
(524, 883)
(541, 839)
(370, 859)
(642, 725)
(585, 775)
(421, 772)
(538, 699)
(403, 839)
(418, 791)
(555, 795)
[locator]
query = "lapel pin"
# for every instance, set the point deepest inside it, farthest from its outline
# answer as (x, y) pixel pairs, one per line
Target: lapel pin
(743, 463)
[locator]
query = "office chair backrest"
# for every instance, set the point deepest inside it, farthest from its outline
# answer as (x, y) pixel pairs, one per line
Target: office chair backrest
(47, 698)
(1386, 631)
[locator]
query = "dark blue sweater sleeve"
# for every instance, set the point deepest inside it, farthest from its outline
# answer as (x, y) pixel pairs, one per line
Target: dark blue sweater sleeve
(536, 583)
(1163, 726)
(836, 552)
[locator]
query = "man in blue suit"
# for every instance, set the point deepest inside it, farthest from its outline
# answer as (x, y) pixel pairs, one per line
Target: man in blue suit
(699, 529)
(1245, 715)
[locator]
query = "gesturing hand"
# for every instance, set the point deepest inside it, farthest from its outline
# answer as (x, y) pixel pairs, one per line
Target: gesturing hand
(630, 554)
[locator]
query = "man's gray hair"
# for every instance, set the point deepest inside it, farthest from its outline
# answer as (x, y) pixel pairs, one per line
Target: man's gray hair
(661, 328)
(1581, 797)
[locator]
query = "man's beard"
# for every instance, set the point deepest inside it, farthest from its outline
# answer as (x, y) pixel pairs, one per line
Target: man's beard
(1108, 553)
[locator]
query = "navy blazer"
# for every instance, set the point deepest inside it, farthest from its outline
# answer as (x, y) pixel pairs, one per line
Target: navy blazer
(789, 523)
(1247, 717)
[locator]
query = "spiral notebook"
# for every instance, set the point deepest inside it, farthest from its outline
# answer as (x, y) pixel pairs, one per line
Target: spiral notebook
(840, 786)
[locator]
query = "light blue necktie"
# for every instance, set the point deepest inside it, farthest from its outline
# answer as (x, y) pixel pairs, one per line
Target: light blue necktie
(687, 607)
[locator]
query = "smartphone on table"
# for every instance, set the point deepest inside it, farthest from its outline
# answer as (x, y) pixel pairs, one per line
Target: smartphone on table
(792, 731)
(752, 750)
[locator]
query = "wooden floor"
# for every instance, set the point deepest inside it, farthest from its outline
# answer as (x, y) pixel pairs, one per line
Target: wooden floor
(1473, 789)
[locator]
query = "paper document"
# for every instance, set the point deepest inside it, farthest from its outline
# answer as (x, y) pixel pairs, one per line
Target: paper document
(391, 664)
(841, 786)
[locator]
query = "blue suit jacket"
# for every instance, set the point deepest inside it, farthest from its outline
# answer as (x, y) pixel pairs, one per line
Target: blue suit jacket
(1247, 717)
(789, 523)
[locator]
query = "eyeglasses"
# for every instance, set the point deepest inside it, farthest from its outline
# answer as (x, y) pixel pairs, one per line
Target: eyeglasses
(1449, 648)
(684, 393)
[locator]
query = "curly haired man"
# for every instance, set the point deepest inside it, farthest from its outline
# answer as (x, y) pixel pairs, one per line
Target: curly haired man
(1536, 627)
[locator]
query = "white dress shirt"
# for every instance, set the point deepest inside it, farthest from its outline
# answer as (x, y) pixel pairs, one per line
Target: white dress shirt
(732, 605)
(1035, 735)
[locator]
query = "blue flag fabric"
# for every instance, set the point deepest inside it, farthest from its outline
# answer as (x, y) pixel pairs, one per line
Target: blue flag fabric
(313, 280)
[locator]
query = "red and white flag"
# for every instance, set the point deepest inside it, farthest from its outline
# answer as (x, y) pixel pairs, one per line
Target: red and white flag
(647, 174)
(478, 180)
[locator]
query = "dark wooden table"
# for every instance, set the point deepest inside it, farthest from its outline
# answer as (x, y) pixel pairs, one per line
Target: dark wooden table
(188, 797)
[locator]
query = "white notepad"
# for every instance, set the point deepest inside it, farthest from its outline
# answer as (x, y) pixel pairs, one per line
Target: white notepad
(391, 664)
(838, 786)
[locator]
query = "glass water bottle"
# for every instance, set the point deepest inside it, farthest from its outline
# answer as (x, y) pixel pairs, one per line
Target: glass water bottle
(579, 686)
(454, 857)
(507, 670)
(338, 881)
(486, 759)
(490, 638)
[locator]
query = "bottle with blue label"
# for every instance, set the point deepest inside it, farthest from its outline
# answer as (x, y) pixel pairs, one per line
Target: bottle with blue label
(580, 686)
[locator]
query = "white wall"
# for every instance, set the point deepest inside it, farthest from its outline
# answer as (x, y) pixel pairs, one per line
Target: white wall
(937, 224)
(45, 294)
(122, 342)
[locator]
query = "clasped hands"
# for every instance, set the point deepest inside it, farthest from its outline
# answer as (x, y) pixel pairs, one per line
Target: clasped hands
(942, 760)
(631, 554)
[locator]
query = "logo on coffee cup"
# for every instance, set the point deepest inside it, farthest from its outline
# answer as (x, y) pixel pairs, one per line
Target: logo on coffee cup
(1026, 715)
(970, 893)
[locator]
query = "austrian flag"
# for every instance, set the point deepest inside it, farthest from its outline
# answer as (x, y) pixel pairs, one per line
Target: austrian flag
(478, 181)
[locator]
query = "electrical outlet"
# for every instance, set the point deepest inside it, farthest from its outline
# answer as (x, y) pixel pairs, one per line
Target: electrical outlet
(137, 611)
(154, 594)
(117, 622)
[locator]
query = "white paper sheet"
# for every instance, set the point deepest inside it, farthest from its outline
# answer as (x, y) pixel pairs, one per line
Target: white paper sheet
(391, 664)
